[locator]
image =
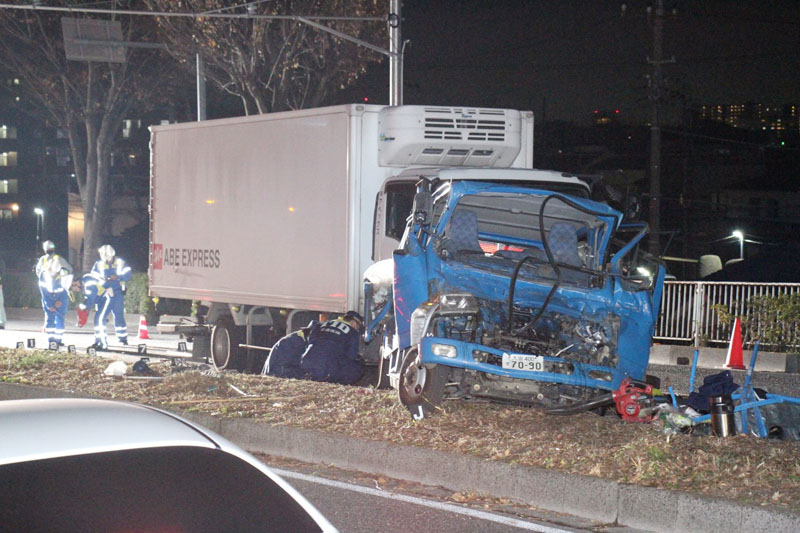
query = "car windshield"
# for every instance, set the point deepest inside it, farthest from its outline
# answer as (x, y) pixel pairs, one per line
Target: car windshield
(173, 489)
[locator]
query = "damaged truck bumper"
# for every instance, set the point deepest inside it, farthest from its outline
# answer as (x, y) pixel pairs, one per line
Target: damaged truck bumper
(479, 358)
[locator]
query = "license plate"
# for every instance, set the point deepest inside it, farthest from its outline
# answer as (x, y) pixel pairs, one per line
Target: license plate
(513, 361)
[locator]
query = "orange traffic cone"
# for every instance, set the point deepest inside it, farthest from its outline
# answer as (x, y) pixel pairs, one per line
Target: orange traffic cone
(143, 328)
(735, 358)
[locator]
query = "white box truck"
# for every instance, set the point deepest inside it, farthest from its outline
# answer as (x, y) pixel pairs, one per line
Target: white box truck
(269, 220)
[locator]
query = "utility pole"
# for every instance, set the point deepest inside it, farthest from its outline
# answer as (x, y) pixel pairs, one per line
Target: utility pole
(201, 89)
(655, 130)
(395, 55)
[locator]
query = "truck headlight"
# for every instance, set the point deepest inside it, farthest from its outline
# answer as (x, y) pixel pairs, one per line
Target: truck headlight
(444, 350)
(458, 304)
(449, 305)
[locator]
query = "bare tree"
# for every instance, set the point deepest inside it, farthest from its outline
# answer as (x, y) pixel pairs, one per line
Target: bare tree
(274, 65)
(87, 100)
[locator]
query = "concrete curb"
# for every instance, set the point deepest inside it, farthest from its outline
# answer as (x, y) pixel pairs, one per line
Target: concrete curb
(586, 497)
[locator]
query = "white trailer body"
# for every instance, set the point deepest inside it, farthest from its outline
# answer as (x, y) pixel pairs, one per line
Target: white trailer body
(277, 210)
(262, 210)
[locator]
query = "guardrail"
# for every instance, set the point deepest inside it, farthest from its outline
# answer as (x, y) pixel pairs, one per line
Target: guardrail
(688, 315)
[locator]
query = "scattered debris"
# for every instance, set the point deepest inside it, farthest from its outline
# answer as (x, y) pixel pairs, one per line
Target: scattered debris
(116, 369)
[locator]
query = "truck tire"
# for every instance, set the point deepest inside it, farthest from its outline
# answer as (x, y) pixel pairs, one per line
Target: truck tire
(225, 340)
(420, 388)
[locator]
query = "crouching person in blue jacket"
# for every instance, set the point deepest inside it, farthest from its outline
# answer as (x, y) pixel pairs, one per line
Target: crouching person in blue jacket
(332, 353)
(284, 357)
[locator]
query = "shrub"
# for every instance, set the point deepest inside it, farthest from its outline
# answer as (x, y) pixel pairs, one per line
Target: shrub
(136, 299)
(138, 302)
(772, 320)
(21, 289)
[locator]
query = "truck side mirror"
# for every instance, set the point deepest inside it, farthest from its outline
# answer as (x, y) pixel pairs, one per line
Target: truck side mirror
(423, 207)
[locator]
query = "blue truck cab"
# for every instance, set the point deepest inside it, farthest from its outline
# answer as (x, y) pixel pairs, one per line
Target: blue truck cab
(513, 293)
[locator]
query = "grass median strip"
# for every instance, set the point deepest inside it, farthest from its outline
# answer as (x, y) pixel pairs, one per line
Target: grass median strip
(747, 469)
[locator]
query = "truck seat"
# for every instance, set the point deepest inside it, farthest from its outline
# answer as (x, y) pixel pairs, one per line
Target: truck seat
(463, 232)
(563, 241)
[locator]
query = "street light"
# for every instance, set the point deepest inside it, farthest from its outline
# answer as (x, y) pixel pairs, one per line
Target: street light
(739, 235)
(39, 224)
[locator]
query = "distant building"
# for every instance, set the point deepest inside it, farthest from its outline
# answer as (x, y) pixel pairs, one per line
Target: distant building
(9, 161)
(776, 120)
(28, 197)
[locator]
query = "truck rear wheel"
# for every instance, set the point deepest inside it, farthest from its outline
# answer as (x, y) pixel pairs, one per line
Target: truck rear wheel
(225, 351)
(421, 388)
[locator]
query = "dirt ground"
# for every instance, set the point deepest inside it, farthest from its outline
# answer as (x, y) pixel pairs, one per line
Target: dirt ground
(748, 469)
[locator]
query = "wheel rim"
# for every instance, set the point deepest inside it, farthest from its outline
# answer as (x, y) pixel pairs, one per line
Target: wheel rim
(413, 380)
(221, 347)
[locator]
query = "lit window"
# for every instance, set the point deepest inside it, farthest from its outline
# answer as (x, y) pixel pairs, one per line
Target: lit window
(6, 214)
(8, 132)
(8, 159)
(8, 186)
(128, 126)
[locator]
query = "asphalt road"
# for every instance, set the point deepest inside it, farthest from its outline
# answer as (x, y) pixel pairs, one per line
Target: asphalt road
(357, 502)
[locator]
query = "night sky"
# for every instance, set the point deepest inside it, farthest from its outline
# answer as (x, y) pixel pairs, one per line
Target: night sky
(565, 59)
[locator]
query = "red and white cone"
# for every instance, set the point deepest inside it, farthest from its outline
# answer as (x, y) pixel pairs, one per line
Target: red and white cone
(735, 357)
(143, 328)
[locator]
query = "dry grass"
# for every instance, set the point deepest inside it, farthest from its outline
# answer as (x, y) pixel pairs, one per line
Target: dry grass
(744, 468)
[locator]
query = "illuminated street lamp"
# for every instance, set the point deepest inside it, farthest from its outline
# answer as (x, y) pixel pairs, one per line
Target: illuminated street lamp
(739, 235)
(39, 224)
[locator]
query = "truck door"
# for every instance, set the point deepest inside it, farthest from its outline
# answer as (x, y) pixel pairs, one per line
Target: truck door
(392, 207)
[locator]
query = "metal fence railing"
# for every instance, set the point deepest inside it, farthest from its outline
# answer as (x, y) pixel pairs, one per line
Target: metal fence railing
(688, 314)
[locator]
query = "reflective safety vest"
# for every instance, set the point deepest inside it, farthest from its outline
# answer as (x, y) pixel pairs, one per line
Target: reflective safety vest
(54, 273)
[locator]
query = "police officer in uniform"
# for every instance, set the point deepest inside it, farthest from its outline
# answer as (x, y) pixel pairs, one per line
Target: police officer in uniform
(332, 353)
(110, 274)
(55, 280)
(284, 357)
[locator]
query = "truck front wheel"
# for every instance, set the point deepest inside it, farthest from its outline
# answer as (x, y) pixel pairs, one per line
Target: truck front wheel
(421, 388)
(225, 352)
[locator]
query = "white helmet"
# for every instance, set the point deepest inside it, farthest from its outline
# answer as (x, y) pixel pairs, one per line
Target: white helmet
(107, 253)
(48, 245)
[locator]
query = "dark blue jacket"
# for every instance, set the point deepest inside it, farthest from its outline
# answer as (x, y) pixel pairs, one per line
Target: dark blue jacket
(284, 357)
(332, 353)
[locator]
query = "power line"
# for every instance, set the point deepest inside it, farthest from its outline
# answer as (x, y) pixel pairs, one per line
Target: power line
(185, 14)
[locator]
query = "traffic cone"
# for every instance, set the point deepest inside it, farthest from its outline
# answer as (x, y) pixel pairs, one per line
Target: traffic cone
(143, 330)
(735, 358)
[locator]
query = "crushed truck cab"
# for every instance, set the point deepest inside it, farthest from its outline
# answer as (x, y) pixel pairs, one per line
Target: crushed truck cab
(513, 293)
